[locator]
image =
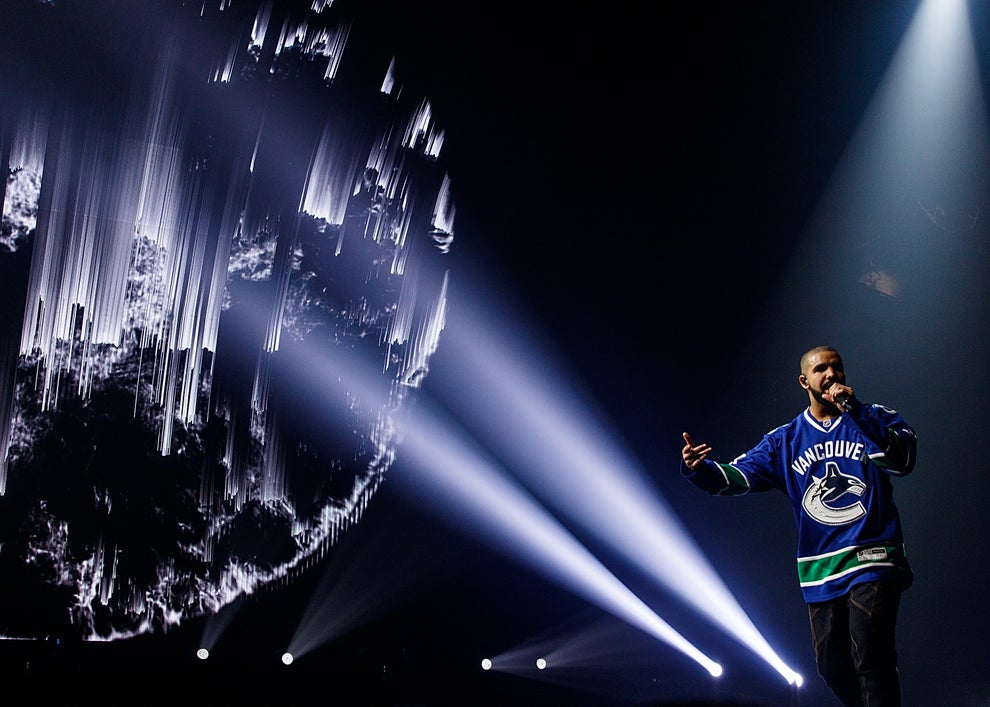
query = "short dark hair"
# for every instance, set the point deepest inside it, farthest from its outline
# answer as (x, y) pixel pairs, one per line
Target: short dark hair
(816, 350)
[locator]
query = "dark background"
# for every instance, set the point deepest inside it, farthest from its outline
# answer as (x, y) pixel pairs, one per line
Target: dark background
(637, 176)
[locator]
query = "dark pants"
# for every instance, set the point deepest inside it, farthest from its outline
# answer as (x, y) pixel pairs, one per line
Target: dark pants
(854, 644)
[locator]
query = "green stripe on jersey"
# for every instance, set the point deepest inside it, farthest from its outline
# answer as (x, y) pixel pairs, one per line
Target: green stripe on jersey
(737, 483)
(820, 569)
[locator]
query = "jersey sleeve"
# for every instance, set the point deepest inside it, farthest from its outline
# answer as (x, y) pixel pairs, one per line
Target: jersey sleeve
(892, 434)
(716, 479)
(747, 473)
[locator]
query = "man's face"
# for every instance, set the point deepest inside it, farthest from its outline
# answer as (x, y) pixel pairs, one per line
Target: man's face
(822, 370)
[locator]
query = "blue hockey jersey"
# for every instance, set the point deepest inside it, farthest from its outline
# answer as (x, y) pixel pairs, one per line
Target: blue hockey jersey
(838, 478)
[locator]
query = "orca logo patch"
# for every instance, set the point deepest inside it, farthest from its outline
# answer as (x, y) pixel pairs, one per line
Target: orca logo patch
(833, 498)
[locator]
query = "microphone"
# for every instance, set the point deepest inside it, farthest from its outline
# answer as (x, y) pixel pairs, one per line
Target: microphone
(844, 402)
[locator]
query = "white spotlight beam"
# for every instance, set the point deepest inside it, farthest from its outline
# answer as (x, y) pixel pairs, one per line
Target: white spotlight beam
(500, 512)
(921, 144)
(923, 137)
(532, 417)
(473, 491)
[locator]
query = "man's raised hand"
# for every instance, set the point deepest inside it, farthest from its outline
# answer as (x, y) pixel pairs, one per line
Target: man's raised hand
(693, 454)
